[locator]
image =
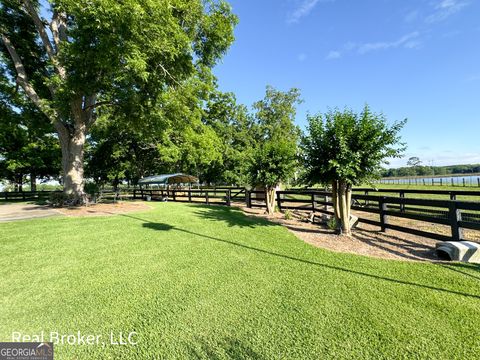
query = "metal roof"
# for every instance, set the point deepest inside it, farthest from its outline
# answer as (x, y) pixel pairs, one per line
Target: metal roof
(169, 179)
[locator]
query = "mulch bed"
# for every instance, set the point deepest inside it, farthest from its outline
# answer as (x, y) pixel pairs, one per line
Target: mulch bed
(366, 239)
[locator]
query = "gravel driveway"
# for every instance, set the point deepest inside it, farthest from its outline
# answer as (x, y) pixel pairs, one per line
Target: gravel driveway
(11, 212)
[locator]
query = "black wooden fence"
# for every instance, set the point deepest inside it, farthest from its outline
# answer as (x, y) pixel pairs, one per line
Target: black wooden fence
(204, 196)
(457, 215)
(26, 195)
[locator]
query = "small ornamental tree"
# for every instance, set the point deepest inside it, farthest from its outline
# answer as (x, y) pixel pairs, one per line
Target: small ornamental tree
(343, 148)
(273, 163)
(274, 158)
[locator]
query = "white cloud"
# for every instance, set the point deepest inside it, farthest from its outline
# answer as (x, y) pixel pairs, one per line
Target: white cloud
(304, 9)
(408, 41)
(446, 8)
(332, 55)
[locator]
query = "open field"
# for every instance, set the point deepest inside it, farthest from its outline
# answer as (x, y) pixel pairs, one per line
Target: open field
(208, 282)
(426, 188)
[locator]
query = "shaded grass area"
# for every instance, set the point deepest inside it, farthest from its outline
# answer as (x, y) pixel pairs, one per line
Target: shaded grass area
(208, 282)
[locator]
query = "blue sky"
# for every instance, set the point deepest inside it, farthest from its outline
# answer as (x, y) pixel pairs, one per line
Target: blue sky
(415, 59)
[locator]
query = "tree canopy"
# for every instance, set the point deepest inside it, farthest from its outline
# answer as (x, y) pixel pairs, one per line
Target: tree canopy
(274, 157)
(98, 54)
(344, 148)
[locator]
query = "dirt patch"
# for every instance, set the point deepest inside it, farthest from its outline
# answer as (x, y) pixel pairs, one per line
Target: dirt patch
(104, 209)
(366, 239)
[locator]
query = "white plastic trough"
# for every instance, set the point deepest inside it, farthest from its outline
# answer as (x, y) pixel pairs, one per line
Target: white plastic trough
(465, 251)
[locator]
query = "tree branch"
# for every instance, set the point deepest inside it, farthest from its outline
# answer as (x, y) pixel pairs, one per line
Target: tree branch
(98, 104)
(58, 27)
(22, 80)
(44, 36)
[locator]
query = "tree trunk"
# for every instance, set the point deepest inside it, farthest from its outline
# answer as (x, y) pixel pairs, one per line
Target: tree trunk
(33, 181)
(72, 146)
(344, 207)
(20, 182)
(270, 200)
(349, 201)
(335, 202)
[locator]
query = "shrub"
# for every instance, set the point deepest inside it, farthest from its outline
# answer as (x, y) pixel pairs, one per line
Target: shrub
(332, 223)
(288, 214)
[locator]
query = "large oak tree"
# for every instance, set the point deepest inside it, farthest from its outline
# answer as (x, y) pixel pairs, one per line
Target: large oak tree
(90, 54)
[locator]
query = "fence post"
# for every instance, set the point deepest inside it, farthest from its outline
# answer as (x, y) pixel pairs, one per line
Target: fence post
(141, 194)
(382, 206)
(189, 195)
(455, 215)
(173, 195)
(279, 201)
(453, 196)
(313, 202)
(463, 181)
(366, 201)
(206, 197)
(228, 197)
(248, 197)
(402, 205)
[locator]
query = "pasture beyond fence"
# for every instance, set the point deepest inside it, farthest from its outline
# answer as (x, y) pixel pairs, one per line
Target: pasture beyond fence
(464, 180)
(457, 215)
(453, 213)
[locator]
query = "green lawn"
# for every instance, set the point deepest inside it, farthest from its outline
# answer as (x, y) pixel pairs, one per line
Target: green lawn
(207, 282)
(427, 188)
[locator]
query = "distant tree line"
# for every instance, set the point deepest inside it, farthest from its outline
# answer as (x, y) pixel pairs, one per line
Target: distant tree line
(422, 170)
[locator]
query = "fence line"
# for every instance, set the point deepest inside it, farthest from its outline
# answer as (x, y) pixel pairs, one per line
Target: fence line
(203, 196)
(458, 215)
(462, 180)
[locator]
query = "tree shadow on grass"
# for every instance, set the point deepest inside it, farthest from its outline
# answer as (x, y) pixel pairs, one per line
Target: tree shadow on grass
(167, 227)
(231, 216)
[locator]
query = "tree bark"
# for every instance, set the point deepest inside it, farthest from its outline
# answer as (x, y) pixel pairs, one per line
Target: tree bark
(72, 146)
(336, 209)
(344, 208)
(33, 181)
(270, 200)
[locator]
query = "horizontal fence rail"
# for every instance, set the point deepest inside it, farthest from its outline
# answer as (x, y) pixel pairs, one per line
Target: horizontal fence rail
(450, 212)
(457, 215)
(204, 196)
(26, 195)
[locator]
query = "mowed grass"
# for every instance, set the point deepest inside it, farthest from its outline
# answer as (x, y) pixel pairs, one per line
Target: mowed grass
(208, 282)
(397, 187)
